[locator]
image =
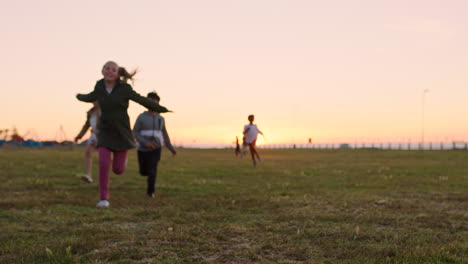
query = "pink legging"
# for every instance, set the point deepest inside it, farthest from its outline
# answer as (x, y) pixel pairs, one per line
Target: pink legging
(118, 167)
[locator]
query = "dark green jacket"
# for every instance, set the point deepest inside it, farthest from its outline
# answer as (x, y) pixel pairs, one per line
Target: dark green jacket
(114, 124)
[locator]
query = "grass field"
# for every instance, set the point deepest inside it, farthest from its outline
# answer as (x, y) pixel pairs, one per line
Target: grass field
(299, 206)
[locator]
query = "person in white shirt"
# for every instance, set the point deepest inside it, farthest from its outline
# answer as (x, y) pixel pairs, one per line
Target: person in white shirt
(251, 132)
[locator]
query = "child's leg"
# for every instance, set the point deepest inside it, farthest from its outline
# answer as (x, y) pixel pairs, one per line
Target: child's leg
(104, 165)
(151, 183)
(89, 158)
(152, 163)
(120, 160)
(252, 153)
(254, 144)
(145, 162)
(258, 156)
(256, 153)
(141, 163)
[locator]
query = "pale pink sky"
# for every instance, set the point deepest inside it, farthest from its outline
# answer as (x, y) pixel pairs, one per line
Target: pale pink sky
(332, 70)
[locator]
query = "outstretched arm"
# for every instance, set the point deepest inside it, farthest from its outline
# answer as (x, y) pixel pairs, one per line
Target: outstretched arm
(134, 96)
(83, 130)
(260, 132)
(91, 97)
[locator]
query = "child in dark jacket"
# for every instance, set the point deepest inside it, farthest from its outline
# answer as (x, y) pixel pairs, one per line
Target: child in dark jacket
(115, 138)
(151, 134)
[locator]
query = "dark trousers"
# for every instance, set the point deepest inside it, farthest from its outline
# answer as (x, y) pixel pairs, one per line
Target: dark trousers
(148, 162)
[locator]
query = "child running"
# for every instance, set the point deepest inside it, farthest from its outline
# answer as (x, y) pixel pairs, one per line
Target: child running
(115, 136)
(251, 132)
(92, 117)
(151, 134)
(238, 149)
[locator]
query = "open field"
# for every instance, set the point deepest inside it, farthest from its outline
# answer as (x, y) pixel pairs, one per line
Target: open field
(299, 206)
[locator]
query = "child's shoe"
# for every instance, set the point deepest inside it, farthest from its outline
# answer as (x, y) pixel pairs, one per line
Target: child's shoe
(86, 178)
(103, 204)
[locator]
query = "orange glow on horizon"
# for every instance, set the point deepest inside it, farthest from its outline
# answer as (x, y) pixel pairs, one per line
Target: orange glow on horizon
(214, 64)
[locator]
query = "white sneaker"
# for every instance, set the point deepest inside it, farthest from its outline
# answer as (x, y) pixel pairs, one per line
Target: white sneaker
(103, 204)
(86, 178)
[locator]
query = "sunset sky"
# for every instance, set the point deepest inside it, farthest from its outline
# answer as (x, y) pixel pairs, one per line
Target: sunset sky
(337, 70)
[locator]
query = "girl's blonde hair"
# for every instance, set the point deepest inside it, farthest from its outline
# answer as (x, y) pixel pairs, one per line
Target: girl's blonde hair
(124, 75)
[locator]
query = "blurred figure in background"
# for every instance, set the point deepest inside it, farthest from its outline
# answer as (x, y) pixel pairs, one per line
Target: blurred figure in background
(251, 132)
(92, 119)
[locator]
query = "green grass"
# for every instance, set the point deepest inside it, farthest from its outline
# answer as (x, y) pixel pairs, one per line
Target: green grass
(299, 206)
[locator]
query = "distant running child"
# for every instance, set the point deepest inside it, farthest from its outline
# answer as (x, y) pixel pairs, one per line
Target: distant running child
(92, 118)
(238, 151)
(151, 134)
(251, 132)
(241, 150)
(115, 137)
